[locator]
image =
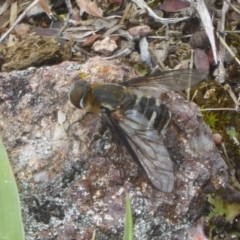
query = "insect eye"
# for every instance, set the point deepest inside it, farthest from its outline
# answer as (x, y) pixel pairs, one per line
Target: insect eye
(77, 93)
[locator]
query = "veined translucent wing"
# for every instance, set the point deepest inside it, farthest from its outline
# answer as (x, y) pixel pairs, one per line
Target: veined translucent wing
(171, 80)
(146, 147)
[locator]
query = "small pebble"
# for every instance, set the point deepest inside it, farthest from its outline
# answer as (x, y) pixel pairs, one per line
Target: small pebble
(217, 138)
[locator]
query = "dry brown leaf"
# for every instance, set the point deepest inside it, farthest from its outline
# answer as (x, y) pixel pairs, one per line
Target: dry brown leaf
(174, 5)
(139, 31)
(45, 6)
(91, 40)
(90, 8)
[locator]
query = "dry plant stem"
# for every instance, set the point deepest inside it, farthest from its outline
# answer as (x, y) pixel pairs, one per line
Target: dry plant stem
(5, 6)
(162, 37)
(190, 66)
(125, 13)
(157, 37)
(232, 6)
(143, 5)
(208, 27)
(83, 51)
(232, 95)
(191, 59)
(221, 23)
(221, 72)
(231, 166)
(126, 50)
(235, 31)
(218, 109)
(228, 48)
(35, 2)
(94, 235)
(158, 60)
(13, 12)
(5, 24)
(194, 95)
(123, 34)
(112, 30)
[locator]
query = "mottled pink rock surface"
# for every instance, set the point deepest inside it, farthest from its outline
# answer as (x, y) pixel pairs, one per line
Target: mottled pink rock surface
(73, 173)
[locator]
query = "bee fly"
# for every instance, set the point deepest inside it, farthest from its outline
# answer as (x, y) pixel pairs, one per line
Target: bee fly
(133, 109)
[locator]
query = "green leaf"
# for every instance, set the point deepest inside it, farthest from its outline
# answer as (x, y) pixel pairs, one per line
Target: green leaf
(220, 207)
(11, 226)
(128, 228)
(232, 133)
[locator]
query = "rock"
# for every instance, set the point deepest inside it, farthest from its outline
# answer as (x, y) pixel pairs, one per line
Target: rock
(105, 46)
(87, 172)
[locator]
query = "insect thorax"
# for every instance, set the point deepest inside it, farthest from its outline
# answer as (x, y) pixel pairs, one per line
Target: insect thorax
(116, 97)
(113, 96)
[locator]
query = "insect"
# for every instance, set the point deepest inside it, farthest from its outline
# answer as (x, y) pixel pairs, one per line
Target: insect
(133, 109)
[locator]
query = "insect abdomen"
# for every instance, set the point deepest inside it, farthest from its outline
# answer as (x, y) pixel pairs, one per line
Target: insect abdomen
(154, 111)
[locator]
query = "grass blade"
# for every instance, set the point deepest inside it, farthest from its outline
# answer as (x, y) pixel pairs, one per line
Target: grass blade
(11, 226)
(128, 228)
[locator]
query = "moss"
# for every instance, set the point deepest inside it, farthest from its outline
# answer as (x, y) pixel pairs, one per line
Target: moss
(212, 96)
(211, 119)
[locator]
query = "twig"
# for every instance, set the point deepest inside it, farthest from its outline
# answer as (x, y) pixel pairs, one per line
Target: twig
(220, 72)
(143, 5)
(112, 30)
(158, 60)
(94, 235)
(125, 13)
(207, 24)
(217, 109)
(235, 31)
(194, 95)
(228, 48)
(188, 91)
(231, 93)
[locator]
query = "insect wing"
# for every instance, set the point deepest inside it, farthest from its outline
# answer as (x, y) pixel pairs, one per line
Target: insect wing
(173, 80)
(146, 147)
